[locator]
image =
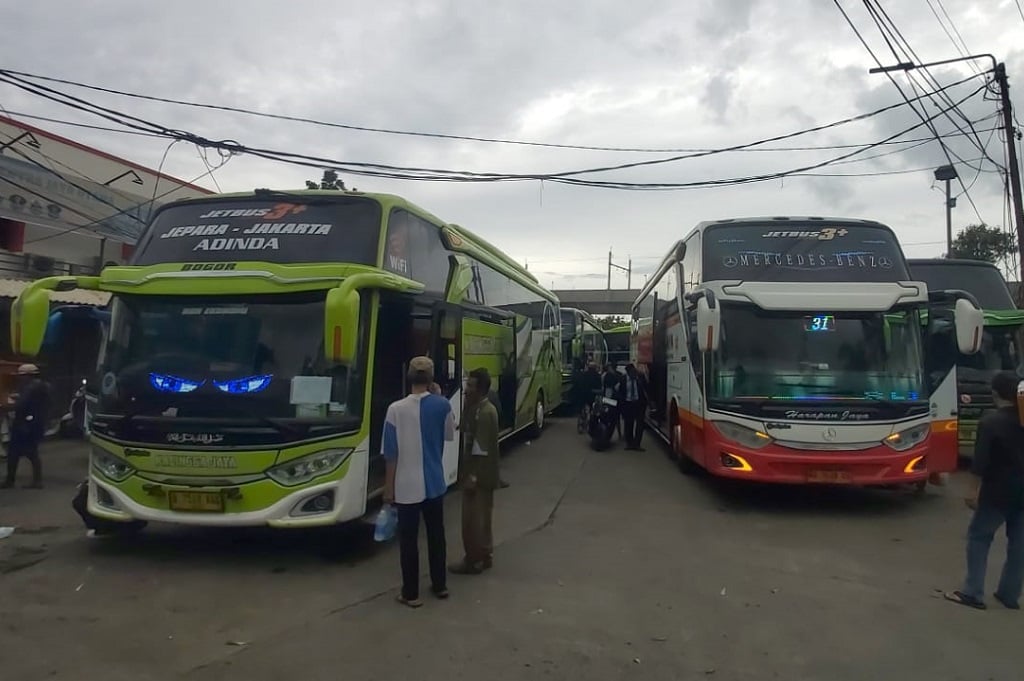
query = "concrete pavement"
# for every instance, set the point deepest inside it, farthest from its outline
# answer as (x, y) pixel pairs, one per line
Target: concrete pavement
(610, 565)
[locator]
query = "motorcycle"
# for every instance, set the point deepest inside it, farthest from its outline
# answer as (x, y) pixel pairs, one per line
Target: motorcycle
(604, 417)
(72, 424)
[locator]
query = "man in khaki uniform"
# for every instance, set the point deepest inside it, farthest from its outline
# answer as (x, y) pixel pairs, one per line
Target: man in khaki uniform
(478, 473)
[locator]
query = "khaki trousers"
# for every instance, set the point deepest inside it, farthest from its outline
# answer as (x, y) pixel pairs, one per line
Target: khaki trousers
(477, 507)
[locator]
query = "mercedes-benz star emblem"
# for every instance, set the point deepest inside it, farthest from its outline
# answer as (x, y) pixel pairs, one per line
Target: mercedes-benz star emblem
(729, 261)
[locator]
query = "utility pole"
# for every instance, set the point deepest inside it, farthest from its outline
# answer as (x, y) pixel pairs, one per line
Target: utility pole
(1011, 155)
(999, 76)
(628, 270)
(945, 174)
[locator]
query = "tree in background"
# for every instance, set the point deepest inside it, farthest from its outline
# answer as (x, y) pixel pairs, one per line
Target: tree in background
(330, 180)
(981, 242)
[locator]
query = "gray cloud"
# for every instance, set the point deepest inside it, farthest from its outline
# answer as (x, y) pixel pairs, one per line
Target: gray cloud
(648, 73)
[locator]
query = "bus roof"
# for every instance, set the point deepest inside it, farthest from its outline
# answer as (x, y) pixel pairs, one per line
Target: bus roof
(583, 313)
(981, 279)
(486, 248)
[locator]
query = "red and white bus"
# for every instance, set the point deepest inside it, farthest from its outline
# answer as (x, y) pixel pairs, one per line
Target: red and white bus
(793, 350)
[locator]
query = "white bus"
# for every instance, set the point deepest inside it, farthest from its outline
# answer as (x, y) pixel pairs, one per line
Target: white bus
(792, 350)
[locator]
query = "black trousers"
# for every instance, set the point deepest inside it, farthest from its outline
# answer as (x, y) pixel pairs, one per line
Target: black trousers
(633, 417)
(432, 511)
(22, 449)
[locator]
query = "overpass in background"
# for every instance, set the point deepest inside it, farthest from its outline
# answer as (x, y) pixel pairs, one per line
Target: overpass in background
(599, 301)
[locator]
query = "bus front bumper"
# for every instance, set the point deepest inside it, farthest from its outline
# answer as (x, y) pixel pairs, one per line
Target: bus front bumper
(301, 508)
(879, 465)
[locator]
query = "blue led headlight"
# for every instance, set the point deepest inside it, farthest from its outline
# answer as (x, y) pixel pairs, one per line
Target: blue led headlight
(239, 386)
(173, 384)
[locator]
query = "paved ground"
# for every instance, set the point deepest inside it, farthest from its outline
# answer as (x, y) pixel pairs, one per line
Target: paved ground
(611, 566)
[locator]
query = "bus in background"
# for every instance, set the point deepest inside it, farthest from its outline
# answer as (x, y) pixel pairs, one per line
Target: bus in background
(583, 342)
(790, 350)
(1001, 340)
(618, 343)
(257, 339)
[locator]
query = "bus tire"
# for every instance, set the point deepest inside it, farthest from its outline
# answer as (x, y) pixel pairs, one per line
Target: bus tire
(537, 427)
(673, 437)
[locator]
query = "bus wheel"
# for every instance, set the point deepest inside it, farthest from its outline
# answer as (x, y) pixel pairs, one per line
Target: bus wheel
(674, 435)
(538, 419)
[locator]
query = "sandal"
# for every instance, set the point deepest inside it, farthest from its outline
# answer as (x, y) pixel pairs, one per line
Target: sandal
(409, 603)
(963, 599)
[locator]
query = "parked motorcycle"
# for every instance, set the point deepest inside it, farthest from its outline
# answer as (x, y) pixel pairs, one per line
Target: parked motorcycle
(604, 416)
(72, 424)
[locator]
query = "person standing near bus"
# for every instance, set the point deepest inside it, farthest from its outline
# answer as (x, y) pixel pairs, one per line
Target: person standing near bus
(997, 497)
(633, 403)
(478, 470)
(28, 425)
(415, 430)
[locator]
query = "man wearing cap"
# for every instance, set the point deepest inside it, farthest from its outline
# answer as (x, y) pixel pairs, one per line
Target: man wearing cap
(28, 426)
(415, 430)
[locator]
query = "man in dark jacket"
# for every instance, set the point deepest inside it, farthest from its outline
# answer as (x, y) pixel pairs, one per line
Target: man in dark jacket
(997, 497)
(633, 403)
(28, 426)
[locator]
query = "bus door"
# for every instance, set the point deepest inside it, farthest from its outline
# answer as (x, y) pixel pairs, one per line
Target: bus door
(489, 342)
(446, 349)
(659, 365)
(940, 367)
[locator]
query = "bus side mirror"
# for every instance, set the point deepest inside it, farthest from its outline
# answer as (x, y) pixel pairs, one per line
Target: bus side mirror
(969, 322)
(709, 323)
(30, 315)
(341, 325)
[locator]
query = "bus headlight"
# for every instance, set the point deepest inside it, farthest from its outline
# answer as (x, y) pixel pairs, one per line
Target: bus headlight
(911, 437)
(748, 437)
(305, 468)
(110, 466)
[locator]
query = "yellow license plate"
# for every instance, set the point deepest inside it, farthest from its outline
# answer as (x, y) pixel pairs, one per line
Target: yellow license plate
(831, 477)
(196, 502)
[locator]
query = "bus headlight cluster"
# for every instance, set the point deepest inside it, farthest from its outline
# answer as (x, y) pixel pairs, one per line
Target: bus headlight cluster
(305, 468)
(911, 437)
(110, 466)
(748, 437)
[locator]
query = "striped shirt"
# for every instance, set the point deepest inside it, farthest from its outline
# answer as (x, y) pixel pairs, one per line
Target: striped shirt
(415, 430)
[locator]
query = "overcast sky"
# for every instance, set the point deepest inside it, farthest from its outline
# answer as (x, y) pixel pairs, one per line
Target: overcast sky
(645, 73)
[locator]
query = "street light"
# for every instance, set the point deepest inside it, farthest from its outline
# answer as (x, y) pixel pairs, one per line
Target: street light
(946, 174)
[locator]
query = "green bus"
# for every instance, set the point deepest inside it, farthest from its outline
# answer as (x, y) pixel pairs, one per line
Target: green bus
(618, 338)
(256, 340)
(1001, 341)
(582, 342)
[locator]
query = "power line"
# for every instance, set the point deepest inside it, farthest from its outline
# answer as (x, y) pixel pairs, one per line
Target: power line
(885, 23)
(344, 126)
(909, 102)
(942, 24)
(818, 147)
(952, 25)
(1020, 9)
(574, 177)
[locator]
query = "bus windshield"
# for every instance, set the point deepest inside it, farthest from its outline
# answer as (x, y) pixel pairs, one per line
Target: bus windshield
(233, 357)
(806, 356)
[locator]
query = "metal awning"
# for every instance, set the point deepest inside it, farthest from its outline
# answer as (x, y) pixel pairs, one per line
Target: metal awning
(10, 288)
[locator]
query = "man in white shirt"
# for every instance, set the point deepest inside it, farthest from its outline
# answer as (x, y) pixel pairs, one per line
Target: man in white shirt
(415, 430)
